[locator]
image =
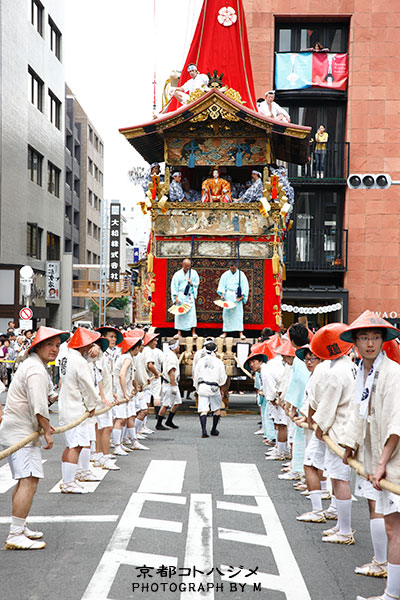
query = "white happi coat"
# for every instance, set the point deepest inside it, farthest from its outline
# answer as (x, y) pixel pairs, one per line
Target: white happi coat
(368, 436)
(26, 398)
(78, 393)
(209, 370)
(336, 396)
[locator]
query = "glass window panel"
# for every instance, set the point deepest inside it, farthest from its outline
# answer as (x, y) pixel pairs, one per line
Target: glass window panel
(285, 40)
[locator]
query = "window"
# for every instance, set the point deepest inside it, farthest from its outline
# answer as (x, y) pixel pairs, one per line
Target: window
(89, 227)
(90, 197)
(53, 179)
(101, 148)
(96, 142)
(37, 16)
(36, 89)
(53, 246)
(89, 257)
(295, 36)
(55, 39)
(90, 134)
(100, 178)
(90, 166)
(96, 173)
(34, 240)
(55, 110)
(35, 162)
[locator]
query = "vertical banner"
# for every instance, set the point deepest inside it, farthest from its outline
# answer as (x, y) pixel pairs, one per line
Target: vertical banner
(115, 241)
(53, 280)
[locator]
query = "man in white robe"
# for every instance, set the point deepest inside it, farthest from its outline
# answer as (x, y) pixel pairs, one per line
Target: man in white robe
(233, 286)
(208, 380)
(184, 289)
(197, 80)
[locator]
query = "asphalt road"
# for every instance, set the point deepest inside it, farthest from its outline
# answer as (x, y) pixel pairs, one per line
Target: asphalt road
(214, 504)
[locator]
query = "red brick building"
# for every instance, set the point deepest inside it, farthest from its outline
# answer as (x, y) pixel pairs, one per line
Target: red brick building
(344, 246)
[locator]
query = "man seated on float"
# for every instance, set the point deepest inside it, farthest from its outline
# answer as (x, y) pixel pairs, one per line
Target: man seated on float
(197, 80)
(175, 188)
(216, 189)
(255, 191)
(190, 195)
(271, 109)
(154, 170)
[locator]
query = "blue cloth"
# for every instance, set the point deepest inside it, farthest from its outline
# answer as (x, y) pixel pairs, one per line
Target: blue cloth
(192, 196)
(228, 284)
(293, 71)
(179, 282)
(267, 422)
(176, 192)
(254, 193)
(295, 395)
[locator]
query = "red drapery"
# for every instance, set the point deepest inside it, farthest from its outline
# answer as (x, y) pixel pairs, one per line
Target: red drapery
(215, 46)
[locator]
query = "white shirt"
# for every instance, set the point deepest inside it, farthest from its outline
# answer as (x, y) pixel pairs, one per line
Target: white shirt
(171, 361)
(272, 111)
(78, 393)
(158, 359)
(209, 369)
(194, 84)
(271, 375)
(197, 356)
(27, 397)
(117, 371)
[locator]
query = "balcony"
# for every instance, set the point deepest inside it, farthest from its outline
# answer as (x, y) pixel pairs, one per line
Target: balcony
(336, 169)
(323, 250)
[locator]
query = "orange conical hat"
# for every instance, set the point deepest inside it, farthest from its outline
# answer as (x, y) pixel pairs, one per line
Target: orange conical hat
(129, 342)
(256, 354)
(392, 350)
(83, 337)
(103, 330)
(45, 333)
(263, 348)
(286, 349)
(136, 333)
(327, 344)
(370, 320)
(149, 337)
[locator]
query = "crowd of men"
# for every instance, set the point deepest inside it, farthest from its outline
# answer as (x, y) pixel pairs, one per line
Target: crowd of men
(341, 382)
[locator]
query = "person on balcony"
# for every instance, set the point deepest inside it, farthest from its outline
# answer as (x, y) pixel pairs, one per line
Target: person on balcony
(271, 109)
(197, 80)
(175, 188)
(190, 194)
(216, 189)
(154, 170)
(321, 138)
(255, 191)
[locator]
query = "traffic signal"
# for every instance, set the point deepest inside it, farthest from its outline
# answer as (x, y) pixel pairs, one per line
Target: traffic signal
(368, 181)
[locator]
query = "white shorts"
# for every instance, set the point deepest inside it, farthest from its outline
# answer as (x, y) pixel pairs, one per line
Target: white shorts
(314, 455)
(335, 467)
(92, 429)
(78, 436)
(26, 462)
(387, 503)
(365, 489)
(167, 398)
(147, 395)
(278, 415)
(141, 401)
(291, 431)
(131, 408)
(155, 388)
(105, 420)
(119, 411)
(206, 403)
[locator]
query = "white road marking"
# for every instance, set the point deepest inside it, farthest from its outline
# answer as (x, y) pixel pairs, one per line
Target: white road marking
(163, 476)
(90, 486)
(116, 552)
(245, 537)
(67, 519)
(6, 480)
(199, 542)
(242, 479)
(247, 508)
(159, 525)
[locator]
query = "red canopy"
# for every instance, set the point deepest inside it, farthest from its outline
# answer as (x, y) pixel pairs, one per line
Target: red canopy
(220, 42)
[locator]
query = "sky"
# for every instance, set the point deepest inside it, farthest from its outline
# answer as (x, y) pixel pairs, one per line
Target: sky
(110, 50)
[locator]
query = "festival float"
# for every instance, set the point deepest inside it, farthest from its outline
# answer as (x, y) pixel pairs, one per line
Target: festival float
(218, 128)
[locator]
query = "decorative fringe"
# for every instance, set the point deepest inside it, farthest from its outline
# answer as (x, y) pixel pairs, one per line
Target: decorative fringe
(283, 272)
(275, 264)
(150, 260)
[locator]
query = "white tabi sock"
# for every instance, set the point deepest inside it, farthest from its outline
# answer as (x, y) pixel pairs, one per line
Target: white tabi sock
(123, 434)
(316, 501)
(281, 448)
(379, 539)
(17, 525)
(116, 436)
(324, 485)
(393, 582)
(92, 446)
(145, 421)
(333, 503)
(131, 433)
(138, 425)
(84, 460)
(69, 472)
(344, 516)
(63, 470)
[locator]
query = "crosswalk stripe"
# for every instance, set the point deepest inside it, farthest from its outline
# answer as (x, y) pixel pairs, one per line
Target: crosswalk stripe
(159, 525)
(90, 486)
(245, 537)
(6, 480)
(163, 476)
(67, 519)
(246, 508)
(199, 542)
(242, 479)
